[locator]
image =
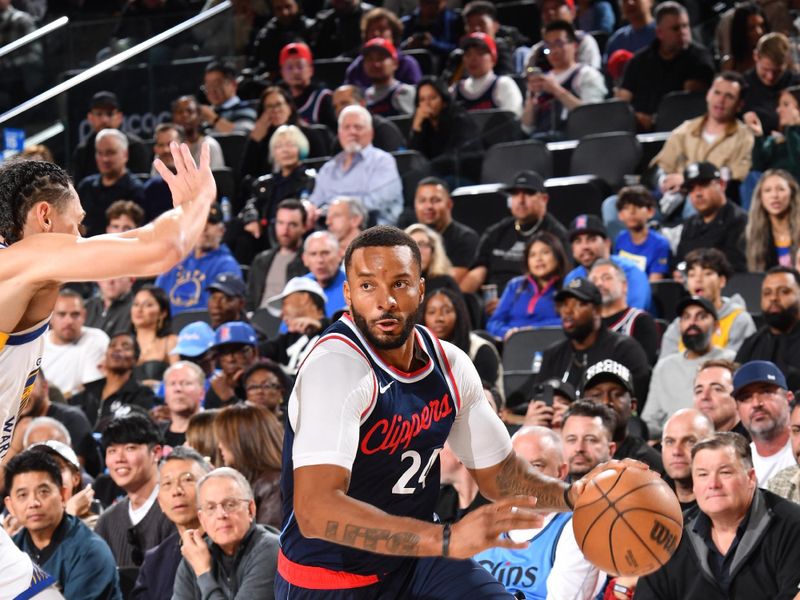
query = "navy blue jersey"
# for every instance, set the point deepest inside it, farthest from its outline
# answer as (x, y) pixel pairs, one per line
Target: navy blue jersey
(482, 102)
(396, 467)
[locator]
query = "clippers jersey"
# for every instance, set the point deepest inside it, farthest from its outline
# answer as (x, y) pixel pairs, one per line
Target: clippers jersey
(396, 466)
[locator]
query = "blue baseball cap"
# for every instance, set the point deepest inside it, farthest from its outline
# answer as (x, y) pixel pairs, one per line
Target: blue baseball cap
(758, 371)
(229, 284)
(194, 339)
(235, 332)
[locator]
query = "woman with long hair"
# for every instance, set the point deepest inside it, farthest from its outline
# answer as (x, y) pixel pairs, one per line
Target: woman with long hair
(773, 225)
(436, 266)
(746, 28)
(200, 435)
(151, 321)
(250, 439)
(529, 300)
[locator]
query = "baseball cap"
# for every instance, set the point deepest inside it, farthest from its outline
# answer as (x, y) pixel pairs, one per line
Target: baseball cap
(235, 332)
(215, 213)
(586, 224)
(699, 172)
(617, 61)
(229, 284)
(380, 43)
(530, 181)
(296, 284)
(582, 289)
(607, 370)
(60, 449)
(194, 339)
(480, 40)
(104, 99)
(757, 371)
(697, 301)
(295, 50)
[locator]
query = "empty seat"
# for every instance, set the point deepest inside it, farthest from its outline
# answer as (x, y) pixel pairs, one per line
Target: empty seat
(226, 183)
(413, 167)
(677, 107)
(521, 347)
(403, 123)
(665, 297)
(522, 14)
(183, 319)
(315, 163)
(748, 285)
(496, 126)
(331, 71)
(600, 117)
(266, 323)
(428, 63)
(232, 145)
(609, 156)
(479, 206)
(573, 196)
(503, 161)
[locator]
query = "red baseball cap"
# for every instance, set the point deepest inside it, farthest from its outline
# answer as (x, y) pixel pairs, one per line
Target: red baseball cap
(480, 40)
(295, 50)
(382, 43)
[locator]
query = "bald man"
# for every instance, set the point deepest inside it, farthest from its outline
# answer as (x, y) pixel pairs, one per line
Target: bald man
(682, 431)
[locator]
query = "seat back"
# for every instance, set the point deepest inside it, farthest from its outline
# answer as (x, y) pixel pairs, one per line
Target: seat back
(600, 117)
(503, 161)
(665, 297)
(479, 206)
(521, 347)
(573, 196)
(609, 156)
(677, 107)
(266, 322)
(496, 126)
(232, 145)
(748, 285)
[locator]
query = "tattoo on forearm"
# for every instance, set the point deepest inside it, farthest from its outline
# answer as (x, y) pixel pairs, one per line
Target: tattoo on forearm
(368, 538)
(517, 478)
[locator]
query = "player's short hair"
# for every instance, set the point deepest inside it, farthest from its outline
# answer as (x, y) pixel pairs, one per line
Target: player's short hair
(433, 180)
(383, 236)
(719, 363)
(782, 269)
(23, 183)
(726, 439)
(29, 461)
(637, 195)
(293, 204)
(128, 208)
(133, 428)
(110, 132)
(586, 408)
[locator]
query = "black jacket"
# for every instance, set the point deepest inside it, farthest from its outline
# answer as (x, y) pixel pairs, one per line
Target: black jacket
(256, 280)
(782, 349)
(99, 412)
(725, 232)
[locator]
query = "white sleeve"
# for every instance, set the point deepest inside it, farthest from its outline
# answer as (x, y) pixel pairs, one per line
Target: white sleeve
(572, 577)
(478, 437)
(592, 85)
(507, 96)
(589, 51)
(334, 387)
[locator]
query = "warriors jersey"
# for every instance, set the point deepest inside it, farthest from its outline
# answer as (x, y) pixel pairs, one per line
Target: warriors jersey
(349, 408)
(20, 579)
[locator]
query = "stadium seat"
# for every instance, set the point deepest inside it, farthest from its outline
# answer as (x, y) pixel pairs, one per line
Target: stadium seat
(479, 206)
(182, 319)
(413, 167)
(573, 196)
(403, 123)
(316, 163)
(497, 126)
(600, 117)
(266, 323)
(518, 386)
(521, 347)
(609, 156)
(232, 145)
(666, 294)
(601, 37)
(503, 161)
(748, 285)
(319, 136)
(677, 107)
(428, 63)
(226, 183)
(522, 14)
(331, 71)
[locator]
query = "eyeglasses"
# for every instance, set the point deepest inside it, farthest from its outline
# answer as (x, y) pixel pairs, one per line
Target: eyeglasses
(183, 480)
(228, 505)
(263, 386)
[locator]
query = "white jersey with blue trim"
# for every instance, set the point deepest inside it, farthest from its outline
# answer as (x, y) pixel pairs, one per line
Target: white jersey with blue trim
(20, 578)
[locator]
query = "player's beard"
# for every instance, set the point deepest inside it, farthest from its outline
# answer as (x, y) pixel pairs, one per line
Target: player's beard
(386, 342)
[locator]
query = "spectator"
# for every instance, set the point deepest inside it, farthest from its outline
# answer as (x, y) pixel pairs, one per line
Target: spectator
(266, 385)
(236, 347)
(719, 223)
(346, 218)
(157, 197)
(178, 474)
(436, 266)
(713, 396)
(287, 25)
(763, 399)
(500, 250)
(681, 432)
(104, 113)
(20, 74)
(609, 383)
(72, 352)
(194, 345)
(589, 242)
(443, 132)
(552, 564)
(445, 314)
(483, 89)
(587, 432)
(200, 436)
(185, 282)
(777, 150)
(567, 84)
(480, 16)
(272, 268)
(123, 215)
(529, 300)
(745, 28)
(707, 274)
(595, 15)
(360, 170)
(134, 524)
(313, 101)
(386, 135)
(617, 316)
(184, 389)
(671, 62)
(151, 317)
(240, 557)
(226, 112)
(226, 299)
(112, 182)
(587, 341)
(433, 27)
(234, 33)
(433, 207)
(58, 542)
(673, 375)
(338, 30)
(186, 113)
(102, 399)
(647, 248)
(322, 259)
(386, 96)
(110, 311)
(777, 340)
(741, 541)
(786, 482)
(638, 33)
(250, 439)
(770, 75)
(382, 23)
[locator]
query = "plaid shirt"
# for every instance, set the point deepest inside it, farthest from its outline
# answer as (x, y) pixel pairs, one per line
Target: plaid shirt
(15, 24)
(786, 483)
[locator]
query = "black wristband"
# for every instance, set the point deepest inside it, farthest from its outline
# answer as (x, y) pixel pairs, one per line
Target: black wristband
(446, 540)
(566, 497)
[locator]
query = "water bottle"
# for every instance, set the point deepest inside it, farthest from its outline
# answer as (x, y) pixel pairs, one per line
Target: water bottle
(227, 209)
(536, 366)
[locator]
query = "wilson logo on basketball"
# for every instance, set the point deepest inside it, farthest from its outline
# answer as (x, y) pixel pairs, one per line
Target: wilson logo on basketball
(663, 537)
(388, 435)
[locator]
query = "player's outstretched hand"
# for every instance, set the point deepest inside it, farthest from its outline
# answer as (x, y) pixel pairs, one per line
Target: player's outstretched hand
(615, 465)
(481, 528)
(189, 182)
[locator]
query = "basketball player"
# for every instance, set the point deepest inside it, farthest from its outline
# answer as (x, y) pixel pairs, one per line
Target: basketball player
(372, 406)
(38, 198)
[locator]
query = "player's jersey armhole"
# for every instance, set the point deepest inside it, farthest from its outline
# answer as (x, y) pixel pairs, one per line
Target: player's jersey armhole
(441, 355)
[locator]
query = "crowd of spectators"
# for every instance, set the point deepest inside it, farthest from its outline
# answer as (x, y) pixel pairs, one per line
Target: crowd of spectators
(147, 462)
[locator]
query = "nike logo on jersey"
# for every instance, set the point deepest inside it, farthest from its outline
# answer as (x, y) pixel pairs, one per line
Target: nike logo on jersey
(383, 388)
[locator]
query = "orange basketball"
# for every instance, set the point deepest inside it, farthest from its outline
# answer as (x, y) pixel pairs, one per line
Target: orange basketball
(628, 522)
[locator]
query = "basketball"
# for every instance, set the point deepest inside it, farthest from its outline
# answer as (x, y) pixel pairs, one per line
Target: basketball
(628, 522)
